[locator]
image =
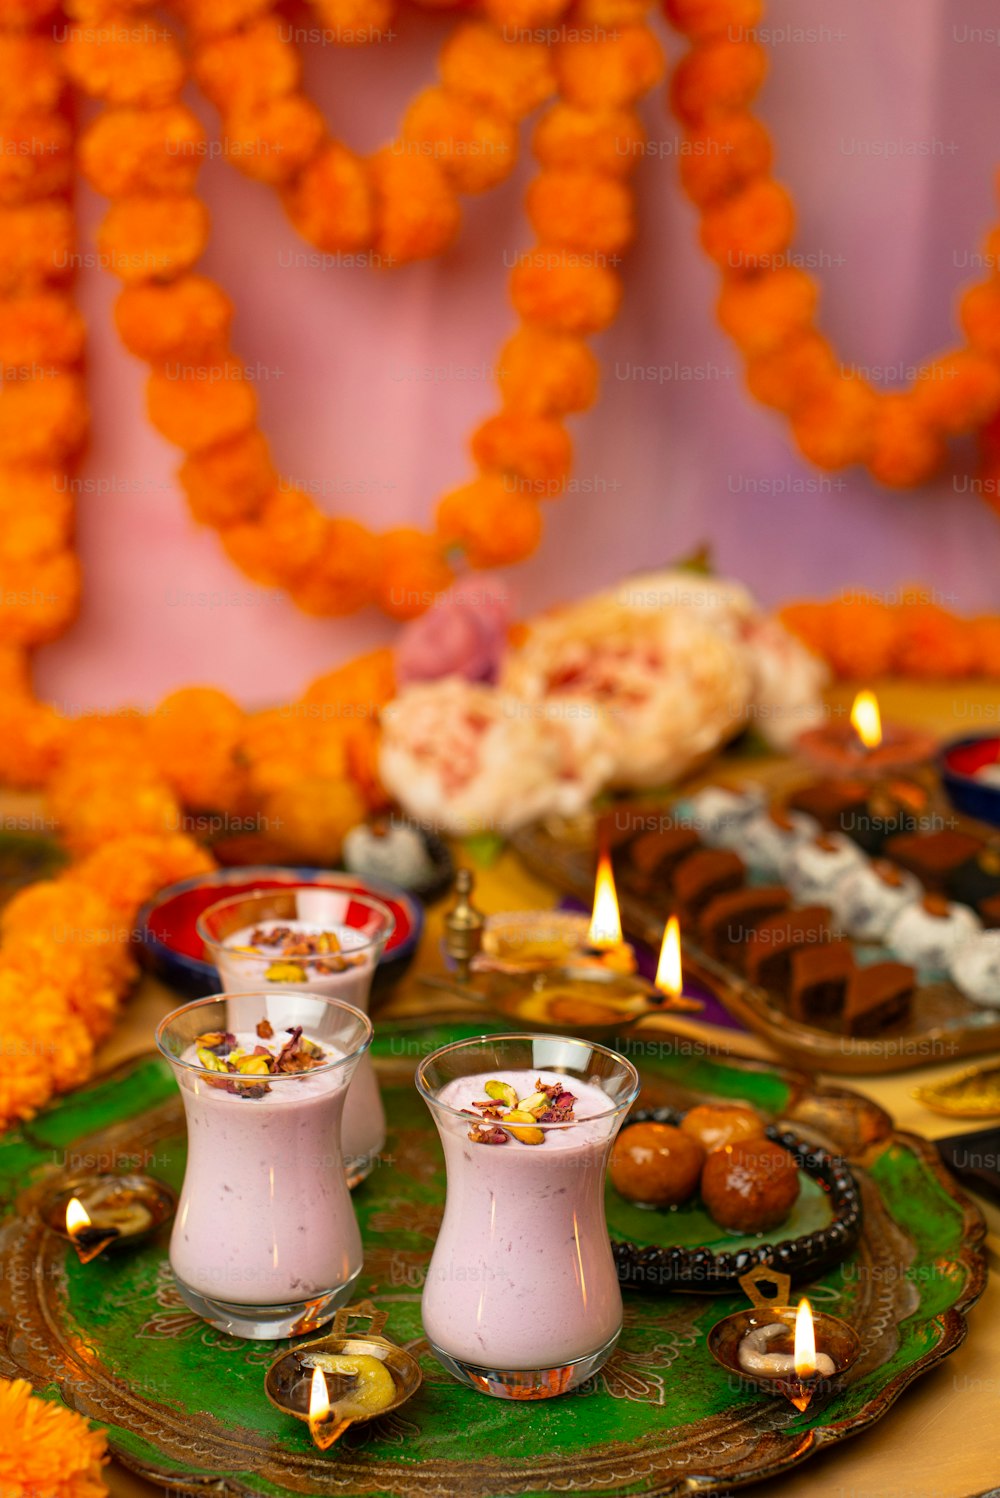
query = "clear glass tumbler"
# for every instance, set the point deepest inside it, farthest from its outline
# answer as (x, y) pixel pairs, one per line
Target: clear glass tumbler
(522, 1297)
(265, 1243)
(362, 926)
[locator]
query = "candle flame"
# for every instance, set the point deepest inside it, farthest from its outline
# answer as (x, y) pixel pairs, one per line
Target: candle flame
(319, 1398)
(805, 1341)
(605, 924)
(77, 1216)
(669, 977)
(866, 720)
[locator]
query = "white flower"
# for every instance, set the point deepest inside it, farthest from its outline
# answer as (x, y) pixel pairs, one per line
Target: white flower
(788, 683)
(467, 757)
(669, 687)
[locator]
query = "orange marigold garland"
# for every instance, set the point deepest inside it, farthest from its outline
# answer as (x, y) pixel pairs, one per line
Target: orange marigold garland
(398, 204)
(46, 1449)
(768, 306)
(863, 638)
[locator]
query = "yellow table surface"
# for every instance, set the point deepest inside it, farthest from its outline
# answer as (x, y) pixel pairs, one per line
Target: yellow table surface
(940, 1440)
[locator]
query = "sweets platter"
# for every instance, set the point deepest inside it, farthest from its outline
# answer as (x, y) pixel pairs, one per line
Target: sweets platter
(184, 1405)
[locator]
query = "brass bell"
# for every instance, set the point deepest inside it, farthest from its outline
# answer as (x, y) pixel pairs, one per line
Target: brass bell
(463, 925)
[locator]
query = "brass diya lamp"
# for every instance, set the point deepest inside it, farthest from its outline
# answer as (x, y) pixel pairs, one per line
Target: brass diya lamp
(104, 1211)
(863, 745)
(783, 1349)
(343, 1379)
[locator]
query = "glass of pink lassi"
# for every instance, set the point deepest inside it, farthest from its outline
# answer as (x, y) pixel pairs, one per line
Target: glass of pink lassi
(325, 941)
(265, 1243)
(522, 1297)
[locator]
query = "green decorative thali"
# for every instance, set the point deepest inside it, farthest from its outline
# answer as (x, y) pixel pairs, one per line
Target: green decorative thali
(184, 1405)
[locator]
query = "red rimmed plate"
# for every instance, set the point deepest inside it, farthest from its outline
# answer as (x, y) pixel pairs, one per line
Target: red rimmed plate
(172, 948)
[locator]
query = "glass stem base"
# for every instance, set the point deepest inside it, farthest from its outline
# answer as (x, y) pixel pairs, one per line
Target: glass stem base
(525, 1383)
(267, 1323)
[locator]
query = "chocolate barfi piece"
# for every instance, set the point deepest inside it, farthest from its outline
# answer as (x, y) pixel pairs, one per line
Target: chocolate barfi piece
(621, 824)
(654, 856)
(878, 996)
(729, 920)
(932, 856)
(702, 876)
(830, 801)
(769, 950)
(820, 975)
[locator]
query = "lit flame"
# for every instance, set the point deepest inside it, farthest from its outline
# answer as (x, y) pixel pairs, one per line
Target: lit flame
(866, 719)
(605, 924)
(319, 1398)
(77, 1216)
(805, 1341)
(669, 978)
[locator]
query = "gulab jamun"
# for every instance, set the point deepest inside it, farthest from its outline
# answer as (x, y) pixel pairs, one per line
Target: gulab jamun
(713, 1127)
(750, 1186)
(656, 1165)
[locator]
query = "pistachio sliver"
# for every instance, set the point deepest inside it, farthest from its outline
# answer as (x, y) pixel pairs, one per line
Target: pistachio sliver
(502, 1092)
(285, 972)
(538, 1102)
(526, 1136)
(209, 1060)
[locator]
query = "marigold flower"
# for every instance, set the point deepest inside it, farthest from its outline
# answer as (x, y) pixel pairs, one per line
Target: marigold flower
(718, 78)
(50, 909)
(475, 148)
(417, 212)
(193, 738)
(760, 313)
(288, 535)
(343, 578)
(611, 13)
(860, 639)
(807, 621)
(702, 19)
(610, 72)
(932, 643)
(958, 392)
(123, 68)
(364, 684)
(43, 328)
(979, 311)
(798, 371)
(230, 481)
(331, 203)
(494, 521)
(36, 245)
(221, 16)
(412, 572)
(554, 289)
(153, 239)
(129, 152)
(246, 66)
(42, 420)
(722, 157)
(196, 406)
(568, 138)
(36, 516)
(272, 139)
(104, 10)
(523, 15)
(186, 319)
(511, 78)
(547, 374)
(985, 636)
(35, 157)
(355, 23)
(906, 452)
(33, 738)
(15, 671)
(535, 449)
(364, 740)
(582, 210)
(312, 815)
(129, 870)
(837, 428)
(287, 744)
(31, 73)
(119, 797)
(27, 12)
(745, 233)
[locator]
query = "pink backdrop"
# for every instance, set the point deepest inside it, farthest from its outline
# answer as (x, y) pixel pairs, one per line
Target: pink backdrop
(664, 463)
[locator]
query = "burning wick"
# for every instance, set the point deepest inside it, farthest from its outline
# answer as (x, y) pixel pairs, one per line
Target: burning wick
(866, 720)
(605, 932)
(88, 1239)
(804, 1363)
(323, 1429)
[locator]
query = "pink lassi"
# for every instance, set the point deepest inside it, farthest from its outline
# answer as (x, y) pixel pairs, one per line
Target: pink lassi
(522, 1275)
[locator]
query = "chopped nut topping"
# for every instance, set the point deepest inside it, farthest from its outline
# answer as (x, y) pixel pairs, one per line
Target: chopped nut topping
(549, 1103)
(265, 1029)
